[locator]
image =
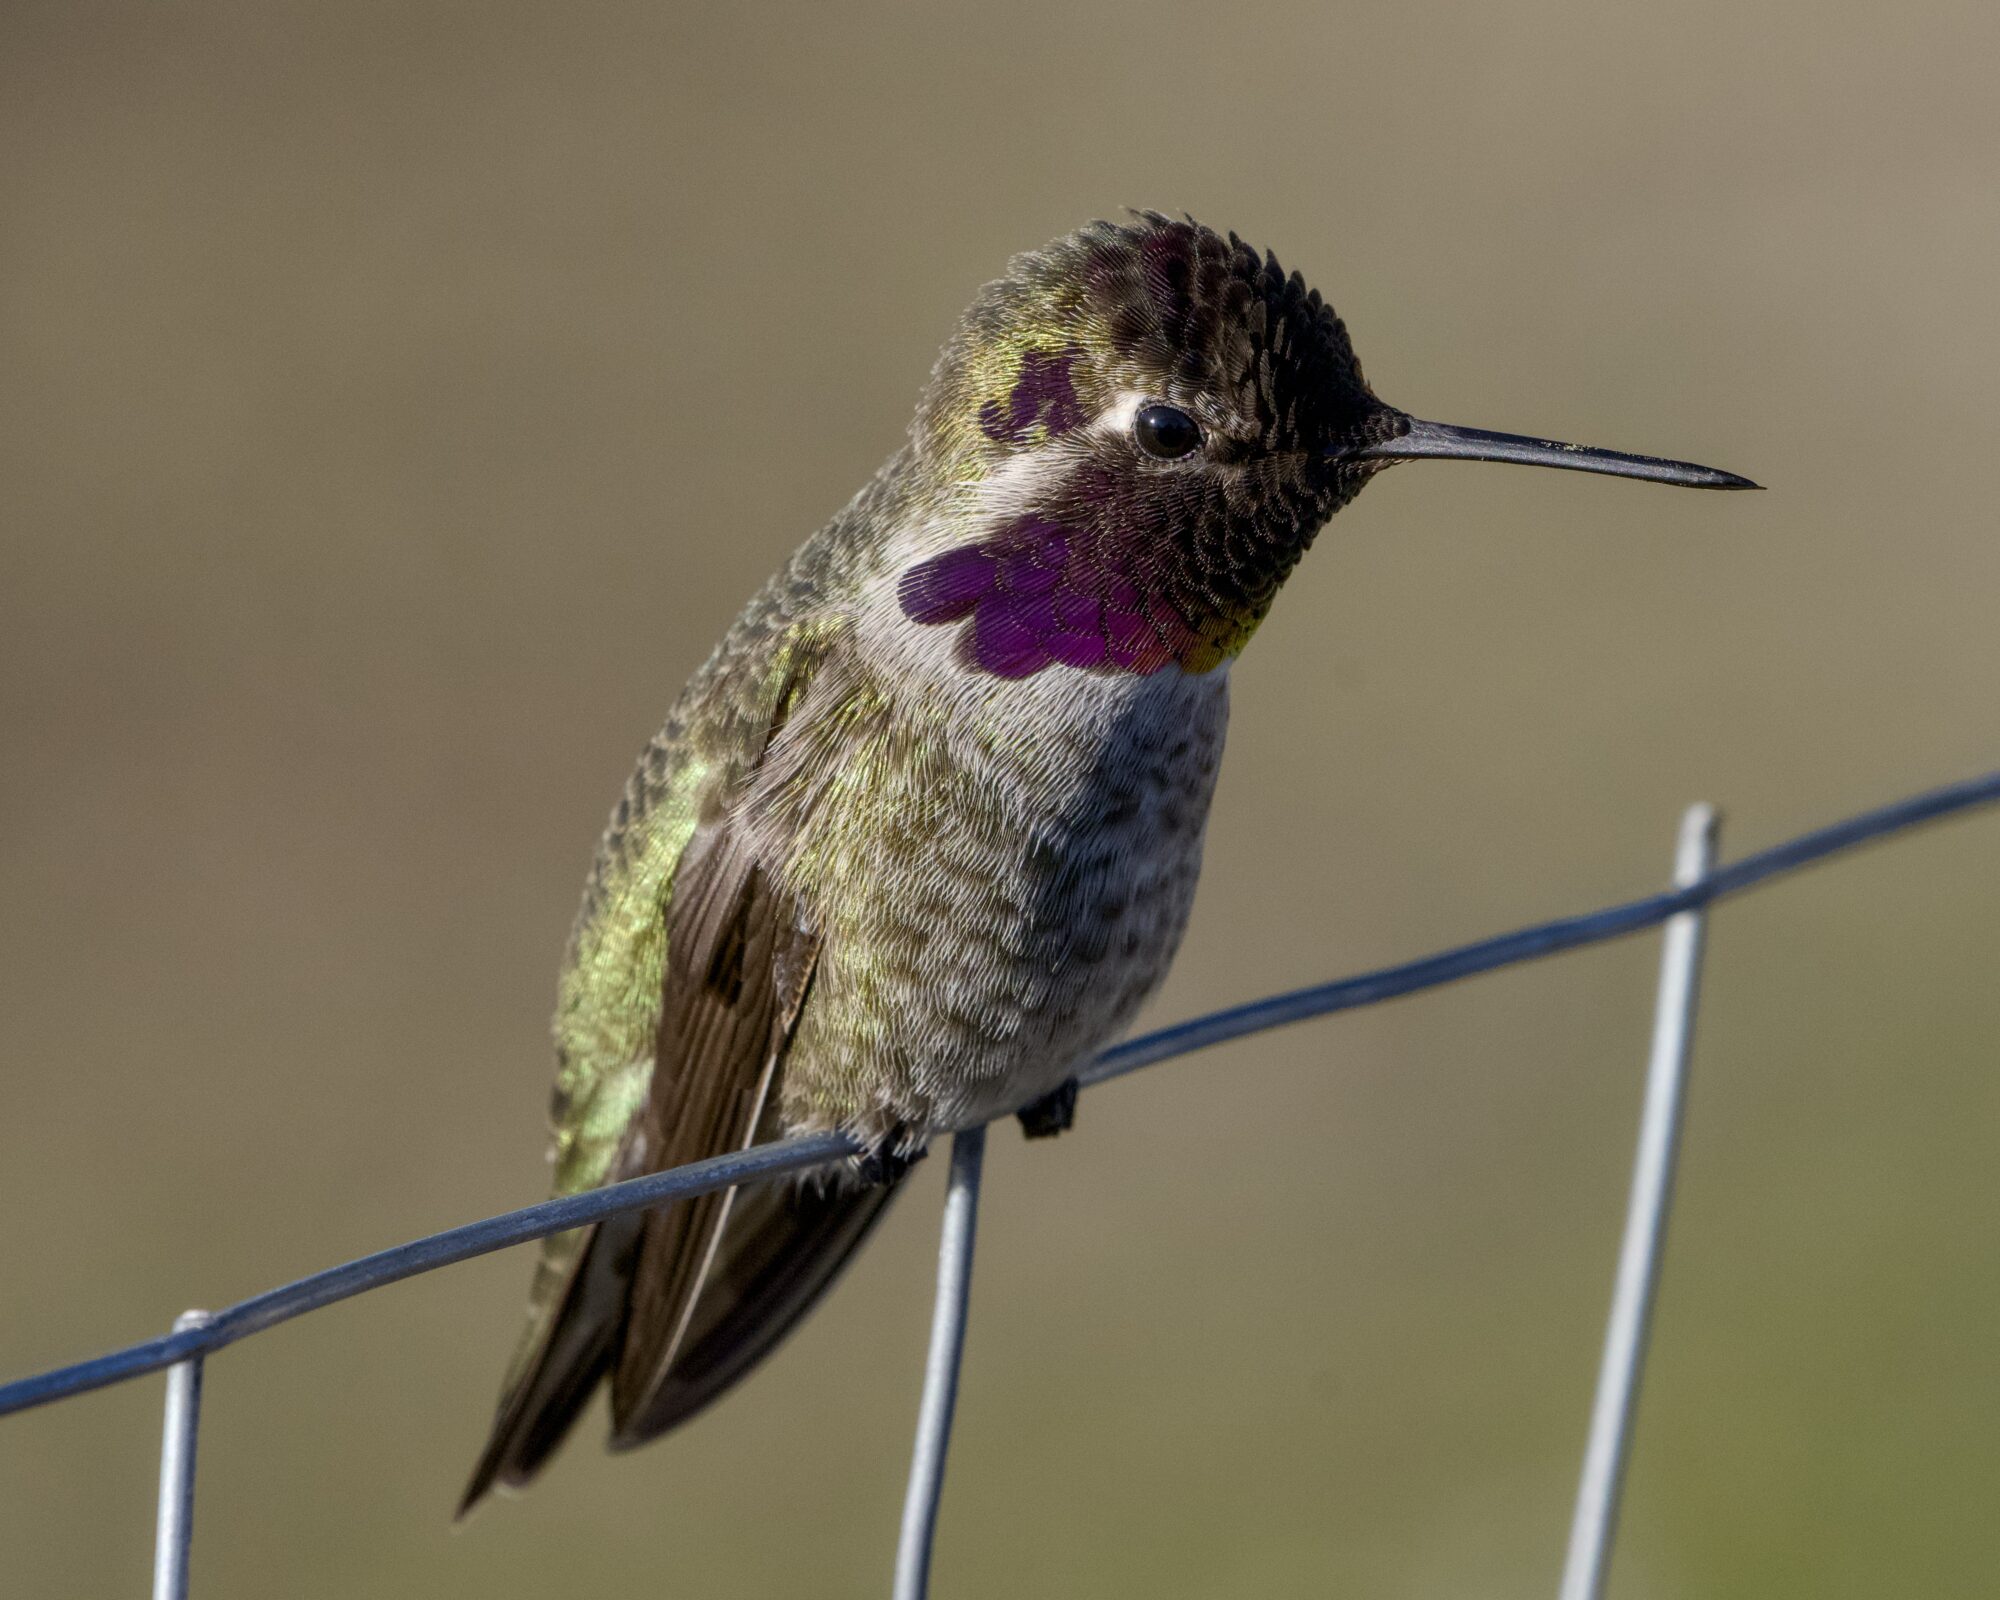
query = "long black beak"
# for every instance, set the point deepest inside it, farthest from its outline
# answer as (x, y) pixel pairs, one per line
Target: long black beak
(1434, 440)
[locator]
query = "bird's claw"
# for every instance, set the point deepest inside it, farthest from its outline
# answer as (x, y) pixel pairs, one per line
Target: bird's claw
(888, 1161)
(1050, 1115)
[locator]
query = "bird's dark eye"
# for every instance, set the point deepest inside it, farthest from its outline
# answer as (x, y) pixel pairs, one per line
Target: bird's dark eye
(1165, 432)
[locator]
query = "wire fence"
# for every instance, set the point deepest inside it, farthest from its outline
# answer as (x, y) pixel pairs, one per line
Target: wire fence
(1697, 883)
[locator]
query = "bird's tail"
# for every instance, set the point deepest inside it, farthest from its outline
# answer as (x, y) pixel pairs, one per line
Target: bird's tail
(779, 1249)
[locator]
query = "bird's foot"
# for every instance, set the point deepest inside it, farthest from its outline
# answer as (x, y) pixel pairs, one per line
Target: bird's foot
(1050, 1115)
(889, 1158)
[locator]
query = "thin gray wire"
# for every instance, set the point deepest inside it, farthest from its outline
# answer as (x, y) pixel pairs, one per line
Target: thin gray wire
(793, 1155)
(174, 1530)
(941, 1367)
(1595, 1521)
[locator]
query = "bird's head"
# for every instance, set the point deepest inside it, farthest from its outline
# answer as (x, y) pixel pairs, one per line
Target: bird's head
(1149, 422)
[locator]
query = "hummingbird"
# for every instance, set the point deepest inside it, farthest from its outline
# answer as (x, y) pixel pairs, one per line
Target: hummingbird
(922, 833)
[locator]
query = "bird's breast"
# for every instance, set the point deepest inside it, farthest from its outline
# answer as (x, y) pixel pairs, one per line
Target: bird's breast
(999, 880)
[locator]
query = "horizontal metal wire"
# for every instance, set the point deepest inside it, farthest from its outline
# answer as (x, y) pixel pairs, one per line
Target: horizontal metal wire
(425, 1255)
(793, 1155)
(1545, 939)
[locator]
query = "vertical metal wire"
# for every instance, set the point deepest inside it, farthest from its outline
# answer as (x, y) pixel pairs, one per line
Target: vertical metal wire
(954, 1287)
(1596, 1519)
(174, 1530)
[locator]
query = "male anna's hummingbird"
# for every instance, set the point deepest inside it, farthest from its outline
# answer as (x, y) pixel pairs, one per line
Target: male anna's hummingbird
(923, 832)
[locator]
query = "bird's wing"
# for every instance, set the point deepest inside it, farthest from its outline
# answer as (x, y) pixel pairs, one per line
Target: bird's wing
(737, 966)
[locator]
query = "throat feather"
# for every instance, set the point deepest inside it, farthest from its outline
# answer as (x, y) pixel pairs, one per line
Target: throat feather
(1040, 593)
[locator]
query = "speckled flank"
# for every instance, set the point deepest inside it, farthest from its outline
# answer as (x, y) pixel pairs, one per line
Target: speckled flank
(996, 902)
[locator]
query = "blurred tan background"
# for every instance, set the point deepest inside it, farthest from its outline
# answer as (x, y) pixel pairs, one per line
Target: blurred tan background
(399, 399)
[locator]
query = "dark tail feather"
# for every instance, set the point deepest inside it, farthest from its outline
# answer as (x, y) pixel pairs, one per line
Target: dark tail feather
(577, 1348)
(782, 1248)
